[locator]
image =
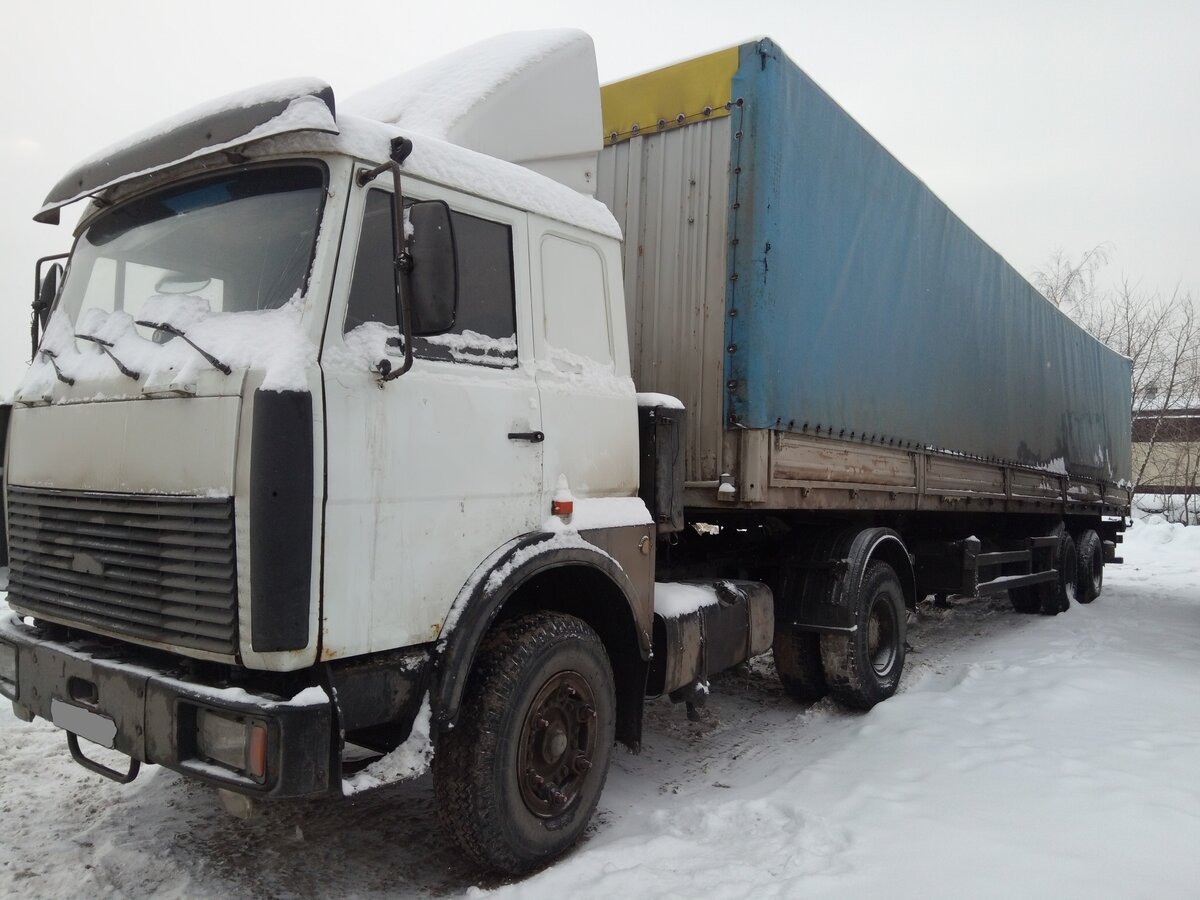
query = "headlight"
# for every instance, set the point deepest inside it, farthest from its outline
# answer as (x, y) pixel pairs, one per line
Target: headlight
(8, 670)
(235, 743)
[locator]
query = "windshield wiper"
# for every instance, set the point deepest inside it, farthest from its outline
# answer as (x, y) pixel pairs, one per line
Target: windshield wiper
(105, 345)
(171, 329)
(53, 357)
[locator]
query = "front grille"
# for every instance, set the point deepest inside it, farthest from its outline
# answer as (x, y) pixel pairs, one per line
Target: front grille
(151, 568)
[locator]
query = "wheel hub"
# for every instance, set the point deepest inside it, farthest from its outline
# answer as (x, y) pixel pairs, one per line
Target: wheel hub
(882, 632)
(557, 744)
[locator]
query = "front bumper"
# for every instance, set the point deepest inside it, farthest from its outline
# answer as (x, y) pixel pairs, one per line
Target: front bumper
(154, 711)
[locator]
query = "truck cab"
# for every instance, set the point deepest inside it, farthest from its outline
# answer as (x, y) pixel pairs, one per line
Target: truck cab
(314, 400)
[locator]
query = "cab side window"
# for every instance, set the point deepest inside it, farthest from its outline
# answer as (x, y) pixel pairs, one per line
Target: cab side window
(484, 331)
(373, 290)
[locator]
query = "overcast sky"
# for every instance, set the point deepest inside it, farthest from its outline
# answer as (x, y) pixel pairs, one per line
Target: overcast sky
(1042, 124)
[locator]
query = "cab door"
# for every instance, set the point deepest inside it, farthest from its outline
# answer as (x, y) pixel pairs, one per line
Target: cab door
(431, 472)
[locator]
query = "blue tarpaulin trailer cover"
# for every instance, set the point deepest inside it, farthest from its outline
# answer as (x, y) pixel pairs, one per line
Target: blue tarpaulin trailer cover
(856, 303)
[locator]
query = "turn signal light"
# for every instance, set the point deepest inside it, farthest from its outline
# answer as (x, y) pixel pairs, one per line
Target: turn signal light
(240, 745)
(256, 755)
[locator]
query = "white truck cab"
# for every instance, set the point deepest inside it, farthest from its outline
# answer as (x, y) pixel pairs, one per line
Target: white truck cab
(321, 413)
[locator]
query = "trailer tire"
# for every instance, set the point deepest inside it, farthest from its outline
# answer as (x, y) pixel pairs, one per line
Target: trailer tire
(518, 777)
(1058, 594)
(863, 667)
(1027, 600)
(798, 664)
(1089, 574)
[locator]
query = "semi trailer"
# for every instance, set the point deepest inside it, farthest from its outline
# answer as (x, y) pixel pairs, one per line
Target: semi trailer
(443, 427)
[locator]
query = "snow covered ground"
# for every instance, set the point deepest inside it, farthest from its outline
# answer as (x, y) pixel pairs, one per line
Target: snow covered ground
(1024, 756)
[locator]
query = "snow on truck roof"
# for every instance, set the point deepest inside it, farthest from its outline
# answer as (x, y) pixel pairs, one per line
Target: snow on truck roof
(515, 118)
(298, 104)
(476, 173)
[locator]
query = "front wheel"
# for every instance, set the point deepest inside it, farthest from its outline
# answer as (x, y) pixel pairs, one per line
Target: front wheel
(863, 667)
(518, 777)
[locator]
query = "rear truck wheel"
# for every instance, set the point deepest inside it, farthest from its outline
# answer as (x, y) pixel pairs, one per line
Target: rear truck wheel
(1026, 600)
(1058, 595)
(863, 667)
(1089, 571)
(798, 663)
(519, 775)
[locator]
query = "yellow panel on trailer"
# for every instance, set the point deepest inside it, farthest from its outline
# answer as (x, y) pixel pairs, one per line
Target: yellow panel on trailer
(677, 95)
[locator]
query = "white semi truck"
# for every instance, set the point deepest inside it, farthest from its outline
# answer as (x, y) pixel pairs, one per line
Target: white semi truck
(330, 448)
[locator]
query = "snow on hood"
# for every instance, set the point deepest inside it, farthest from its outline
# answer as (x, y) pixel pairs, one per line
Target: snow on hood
(271, 340)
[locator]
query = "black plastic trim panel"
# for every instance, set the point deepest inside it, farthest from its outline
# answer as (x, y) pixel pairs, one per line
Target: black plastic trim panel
(5, 415)
(281, 520)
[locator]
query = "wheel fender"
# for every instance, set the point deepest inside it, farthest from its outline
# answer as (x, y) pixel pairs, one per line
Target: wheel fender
(497, 579)
(829, 600)
(887, 546)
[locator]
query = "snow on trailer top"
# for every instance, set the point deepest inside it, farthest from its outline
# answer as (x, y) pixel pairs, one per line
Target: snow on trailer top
(532, 144)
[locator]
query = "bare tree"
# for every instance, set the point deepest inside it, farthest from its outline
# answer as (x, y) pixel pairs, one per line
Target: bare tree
(1158, 332)
(1071, 285)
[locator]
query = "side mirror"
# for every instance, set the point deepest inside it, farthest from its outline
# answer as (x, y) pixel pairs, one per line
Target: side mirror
(433, 268)
(426, 265)
(45, 291)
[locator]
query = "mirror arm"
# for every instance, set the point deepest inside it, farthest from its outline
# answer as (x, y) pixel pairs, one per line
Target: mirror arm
(403, 262)
(400, 269)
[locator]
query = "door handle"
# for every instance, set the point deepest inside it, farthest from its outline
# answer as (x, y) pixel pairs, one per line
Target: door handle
(534, 437)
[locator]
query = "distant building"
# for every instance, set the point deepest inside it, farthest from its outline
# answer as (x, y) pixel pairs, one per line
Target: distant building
(1171, 440)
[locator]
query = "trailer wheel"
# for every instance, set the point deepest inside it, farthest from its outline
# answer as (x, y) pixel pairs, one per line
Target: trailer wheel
(1089, 575)
(518, 777)
(798, 663)
(1058, 594)
(863, 668)
(1026, 600)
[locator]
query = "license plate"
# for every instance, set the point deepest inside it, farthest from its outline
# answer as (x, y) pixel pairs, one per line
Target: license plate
(84, 723)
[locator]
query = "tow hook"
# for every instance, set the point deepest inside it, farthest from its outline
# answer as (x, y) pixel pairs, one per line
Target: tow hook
(98, 768)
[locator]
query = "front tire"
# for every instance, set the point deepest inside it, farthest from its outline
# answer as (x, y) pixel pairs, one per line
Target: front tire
(518, 777)
(864, 667)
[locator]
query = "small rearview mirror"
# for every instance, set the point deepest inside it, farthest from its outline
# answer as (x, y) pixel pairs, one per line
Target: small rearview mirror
(433, 279)
(179, 283)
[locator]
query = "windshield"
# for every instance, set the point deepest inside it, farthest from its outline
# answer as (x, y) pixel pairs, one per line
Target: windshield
(239, 241)
(220, 259)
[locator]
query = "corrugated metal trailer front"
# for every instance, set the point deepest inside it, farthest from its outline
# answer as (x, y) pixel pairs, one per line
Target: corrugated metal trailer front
(826, 318)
